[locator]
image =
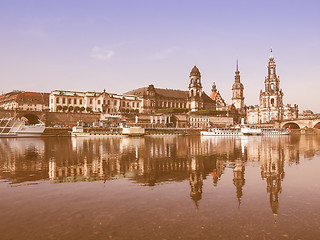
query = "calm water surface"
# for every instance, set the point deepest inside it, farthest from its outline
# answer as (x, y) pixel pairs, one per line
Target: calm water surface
(160, 188)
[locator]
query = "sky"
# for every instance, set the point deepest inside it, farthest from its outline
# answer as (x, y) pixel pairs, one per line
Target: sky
(91, 45)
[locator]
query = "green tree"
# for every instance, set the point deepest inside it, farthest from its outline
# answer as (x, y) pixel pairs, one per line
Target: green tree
(64, 108)
(82, 109)
(88, 109)
(59, 108)
(70, 109)
(76, 109)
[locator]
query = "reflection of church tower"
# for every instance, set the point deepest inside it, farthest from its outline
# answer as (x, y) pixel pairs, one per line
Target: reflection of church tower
(195, 90)
(237, 91)
(273, 171)
(196, 182)
(238, 179)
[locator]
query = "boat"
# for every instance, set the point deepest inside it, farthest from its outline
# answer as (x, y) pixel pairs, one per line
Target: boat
(78, 131)
(275, 131)
(10, 127)
(133, 131)
(236, 131)
(246, 130)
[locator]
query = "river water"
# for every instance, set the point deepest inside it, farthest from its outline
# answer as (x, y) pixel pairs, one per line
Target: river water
(160, 188)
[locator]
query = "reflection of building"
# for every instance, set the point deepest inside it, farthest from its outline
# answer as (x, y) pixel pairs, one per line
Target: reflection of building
(238, 178)
(150, 161)
(271, 101)
(29, 101)
(272, 170)
(196, 181)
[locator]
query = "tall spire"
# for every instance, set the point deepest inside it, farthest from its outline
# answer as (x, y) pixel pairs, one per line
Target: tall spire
(237, 76)
(237, 66)
(271, 56)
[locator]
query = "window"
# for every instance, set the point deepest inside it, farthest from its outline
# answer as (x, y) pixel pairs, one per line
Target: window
(137, 105)
(133, 104)
(74, 101)
(91, 101)
(128, 104)
(104, 101)
(272, 101)
(99, 103)
(57, 100)
(123, 104)
(69, 101)
(63, 100)
(108, 102)
(115, 102)
(80, 101)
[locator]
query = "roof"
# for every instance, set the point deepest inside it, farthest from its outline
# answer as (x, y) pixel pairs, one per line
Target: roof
(195, 71)
(25, 97)
(206, 98)
(213, 95)
(93, 94)
(168, 93)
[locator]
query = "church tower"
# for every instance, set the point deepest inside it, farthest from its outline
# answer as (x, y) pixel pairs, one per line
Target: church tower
(195, 90)
(237, 91)
(271, 98)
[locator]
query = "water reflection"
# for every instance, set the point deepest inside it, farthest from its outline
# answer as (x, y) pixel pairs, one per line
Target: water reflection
(156, 160)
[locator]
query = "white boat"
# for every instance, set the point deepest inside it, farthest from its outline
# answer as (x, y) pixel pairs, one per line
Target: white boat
(77, 131)
(222, 132)
(133, 131)
(246, 130)
(275, 131)
(10, 127)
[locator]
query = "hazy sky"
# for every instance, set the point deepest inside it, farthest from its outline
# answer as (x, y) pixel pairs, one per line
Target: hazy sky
(121, 45)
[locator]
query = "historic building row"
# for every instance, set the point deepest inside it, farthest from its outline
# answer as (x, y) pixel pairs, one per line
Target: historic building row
(28, 101)
(103, 102)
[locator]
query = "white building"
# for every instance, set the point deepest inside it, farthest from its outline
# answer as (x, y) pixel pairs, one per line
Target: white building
(103, 102)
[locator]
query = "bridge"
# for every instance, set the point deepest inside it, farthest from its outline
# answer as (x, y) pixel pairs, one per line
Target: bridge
(51, 118)
(312, 122)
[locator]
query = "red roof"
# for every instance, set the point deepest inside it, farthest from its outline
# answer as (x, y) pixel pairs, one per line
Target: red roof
(213, 95)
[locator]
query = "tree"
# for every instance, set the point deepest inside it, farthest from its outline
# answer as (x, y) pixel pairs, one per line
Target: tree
(82, 109)
(64, 108)
(88, 109)
(70, 109)
(76, 109)
(59, 108)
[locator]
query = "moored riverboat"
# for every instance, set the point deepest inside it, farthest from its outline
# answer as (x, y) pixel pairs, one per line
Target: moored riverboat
(222, 132)
(10, 127)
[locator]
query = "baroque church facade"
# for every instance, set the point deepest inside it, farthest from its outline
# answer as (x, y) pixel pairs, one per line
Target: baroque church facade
(271, 107)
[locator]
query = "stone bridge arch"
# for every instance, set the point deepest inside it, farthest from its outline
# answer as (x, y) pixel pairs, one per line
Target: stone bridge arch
(32, 118)
(317, 125)
(291, 125)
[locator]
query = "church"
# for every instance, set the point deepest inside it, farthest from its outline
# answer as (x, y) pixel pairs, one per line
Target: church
(271, 106)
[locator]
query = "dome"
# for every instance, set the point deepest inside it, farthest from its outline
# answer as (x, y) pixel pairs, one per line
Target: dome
(237, 85)
(195, 71)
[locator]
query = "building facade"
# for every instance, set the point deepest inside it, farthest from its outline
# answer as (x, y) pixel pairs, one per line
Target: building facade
(271, 106)
(237, 92)
(93, 102)
(219, 101)
(27, 101)
(154, 99)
